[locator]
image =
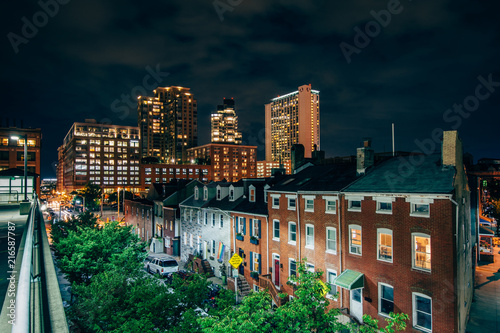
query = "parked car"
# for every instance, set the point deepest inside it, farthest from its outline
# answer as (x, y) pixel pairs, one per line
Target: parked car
(162, 266)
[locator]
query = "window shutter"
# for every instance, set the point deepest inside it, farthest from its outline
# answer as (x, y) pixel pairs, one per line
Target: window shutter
(258, 221)
(244, 225)
(250, 221)
(260, 261)
(251, 261)
(236, 224)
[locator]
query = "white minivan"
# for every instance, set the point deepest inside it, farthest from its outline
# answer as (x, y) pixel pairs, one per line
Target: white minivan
(162, 266)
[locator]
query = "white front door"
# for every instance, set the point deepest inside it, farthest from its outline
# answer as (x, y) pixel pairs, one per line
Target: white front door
(356, 307)
(205, 250)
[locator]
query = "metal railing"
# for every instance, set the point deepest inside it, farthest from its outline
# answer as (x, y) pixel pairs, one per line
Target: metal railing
(38, 302)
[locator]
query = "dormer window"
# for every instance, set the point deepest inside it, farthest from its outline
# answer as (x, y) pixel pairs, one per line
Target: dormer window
(196, 193)
(265, 192)
(219, 193)
(205, 193)
(231, 193)
(252, 194)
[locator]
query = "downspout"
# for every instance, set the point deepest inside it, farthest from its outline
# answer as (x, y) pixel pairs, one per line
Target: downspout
(297, 205)
(340, 246)
(267, 241)
(457, 250)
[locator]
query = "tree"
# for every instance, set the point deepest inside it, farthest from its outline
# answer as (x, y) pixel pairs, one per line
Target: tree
(84, 252)
(306, 312)
(91, 192)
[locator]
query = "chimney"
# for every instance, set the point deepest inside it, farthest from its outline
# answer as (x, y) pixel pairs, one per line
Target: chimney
(452, 149)
(296, 155)
(364, 157)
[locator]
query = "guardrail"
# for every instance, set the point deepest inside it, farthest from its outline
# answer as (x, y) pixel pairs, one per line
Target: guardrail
(38, 302)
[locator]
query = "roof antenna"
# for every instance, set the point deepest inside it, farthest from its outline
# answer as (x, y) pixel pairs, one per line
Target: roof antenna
(393, 151)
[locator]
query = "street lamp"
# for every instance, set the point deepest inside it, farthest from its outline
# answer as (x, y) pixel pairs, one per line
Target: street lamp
(15, 137)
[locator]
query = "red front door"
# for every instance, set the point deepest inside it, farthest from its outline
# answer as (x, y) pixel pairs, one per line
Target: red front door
(277, 272)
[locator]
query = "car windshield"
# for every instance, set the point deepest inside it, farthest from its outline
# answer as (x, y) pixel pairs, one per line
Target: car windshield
(168, 263)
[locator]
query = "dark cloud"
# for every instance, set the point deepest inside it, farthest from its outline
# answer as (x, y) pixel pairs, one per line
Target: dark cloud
(425, 60)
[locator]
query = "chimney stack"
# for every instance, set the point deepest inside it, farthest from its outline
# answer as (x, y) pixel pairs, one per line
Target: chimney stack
(364, 157)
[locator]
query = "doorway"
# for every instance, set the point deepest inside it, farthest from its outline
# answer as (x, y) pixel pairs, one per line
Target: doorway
(356, 306)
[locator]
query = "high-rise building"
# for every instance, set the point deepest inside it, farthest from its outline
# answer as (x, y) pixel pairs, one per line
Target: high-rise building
(291, 119)
(106, 155)
(225, 124)
(152, 124)
(168, 124)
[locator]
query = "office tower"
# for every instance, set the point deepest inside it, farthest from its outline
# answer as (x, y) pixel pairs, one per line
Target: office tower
(168, 124)
(291, 119)
(225, 124)
(152, 124)
(104, 154)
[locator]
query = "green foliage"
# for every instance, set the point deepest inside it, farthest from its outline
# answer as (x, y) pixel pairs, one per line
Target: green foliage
(396, 322)
(86, 251)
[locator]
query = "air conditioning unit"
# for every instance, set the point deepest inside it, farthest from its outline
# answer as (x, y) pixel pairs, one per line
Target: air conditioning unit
(354, 249)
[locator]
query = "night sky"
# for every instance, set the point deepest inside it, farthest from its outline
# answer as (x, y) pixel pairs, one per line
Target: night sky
(410, 67)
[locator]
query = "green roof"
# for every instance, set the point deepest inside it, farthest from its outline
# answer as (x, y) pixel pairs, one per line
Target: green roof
(350, 280)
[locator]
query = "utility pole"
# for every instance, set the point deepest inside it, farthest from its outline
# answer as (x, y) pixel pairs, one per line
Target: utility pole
(102, 201)
(118, 193)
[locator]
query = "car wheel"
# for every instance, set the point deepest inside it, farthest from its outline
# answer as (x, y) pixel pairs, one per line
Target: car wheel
(149, 269)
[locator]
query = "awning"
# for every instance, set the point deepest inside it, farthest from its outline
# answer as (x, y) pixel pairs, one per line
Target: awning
(350, 280)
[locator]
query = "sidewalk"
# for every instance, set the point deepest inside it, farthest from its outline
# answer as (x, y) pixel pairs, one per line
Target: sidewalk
(485, 310)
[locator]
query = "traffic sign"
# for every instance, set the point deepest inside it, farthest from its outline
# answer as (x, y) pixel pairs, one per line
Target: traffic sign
(324, 288)
(235, 261)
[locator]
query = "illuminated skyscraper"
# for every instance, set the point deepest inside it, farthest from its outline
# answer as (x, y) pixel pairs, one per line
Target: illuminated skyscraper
(168, 124)
(290, 119)
(225, 124)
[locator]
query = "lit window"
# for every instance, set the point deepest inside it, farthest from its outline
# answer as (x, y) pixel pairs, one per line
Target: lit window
(355, 239)
(292, 233)
(255, 266)
(309, 236)
(422, 312)
(252, 195)
(384, 243)
(255, 228)
(421, 251)
(385, 299)
(331, 240)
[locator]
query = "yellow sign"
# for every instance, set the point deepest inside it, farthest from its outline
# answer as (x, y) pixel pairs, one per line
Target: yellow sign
(324, 288)
(235, 261)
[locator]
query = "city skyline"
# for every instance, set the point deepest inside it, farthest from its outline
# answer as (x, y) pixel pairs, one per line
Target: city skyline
(375, 63)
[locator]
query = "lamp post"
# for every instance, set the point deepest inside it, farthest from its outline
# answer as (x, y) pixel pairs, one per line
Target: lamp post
(118, 193)
(15, 137)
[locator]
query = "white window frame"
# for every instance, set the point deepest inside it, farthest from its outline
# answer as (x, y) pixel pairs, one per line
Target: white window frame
(328, 250)
(414, 254)
(289, 199)
(213, 220)
(191, 240)
(291, 242)
(419, 201)
(290, 260)
(309, 200)
(384, 200)
(273, 198)
(355, 227)
(334, 287)
(385, 231)
(219, 193)
(196, 193)
(310, 267)
(380, 284)
(251, 193)
(255, 227)
(221, 221)
(274, 229)
(333, 199)
(414, 296)
(352, 208)
(205, 193)
(309, 238)
(231, 193)
(241, 225)
(254, 260)
(256, 288)
(185, 238)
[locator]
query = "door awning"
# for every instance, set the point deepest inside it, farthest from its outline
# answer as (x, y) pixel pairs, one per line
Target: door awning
(350, 280)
